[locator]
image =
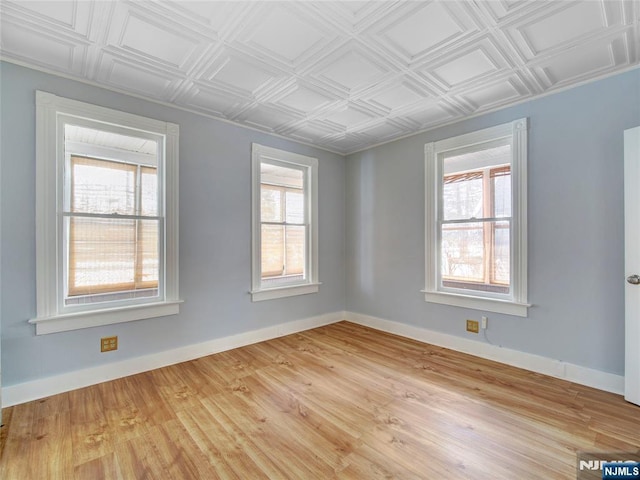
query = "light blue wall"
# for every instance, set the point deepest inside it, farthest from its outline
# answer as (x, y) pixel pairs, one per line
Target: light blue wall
(371, 232)
(576, 271)
(214, 236)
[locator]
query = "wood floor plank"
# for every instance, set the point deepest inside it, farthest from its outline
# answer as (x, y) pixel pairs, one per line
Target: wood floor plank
(177, 392)
(292, 419)
(52, 433)
(192, 375)
(14, 458)
(179, 452)
(90, 433)
(139, 458)
(278, 436)
(367, 463)
(226, 416)
(216, 445)
(124, 419)
(337, 402)
(49, 434)
(4, 431)
(101, 468)
(20, 418)
(147, 398)
(52, 405)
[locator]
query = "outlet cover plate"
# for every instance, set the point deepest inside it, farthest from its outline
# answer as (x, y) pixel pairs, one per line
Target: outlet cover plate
(107, 344)
(472, 326)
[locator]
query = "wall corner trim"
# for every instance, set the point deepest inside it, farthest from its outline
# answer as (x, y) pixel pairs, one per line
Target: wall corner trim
(44, 387)
(589, 377)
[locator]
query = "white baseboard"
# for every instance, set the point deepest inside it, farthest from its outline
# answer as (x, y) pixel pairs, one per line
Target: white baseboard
(36, 389)
(555, 368)
(44, 387)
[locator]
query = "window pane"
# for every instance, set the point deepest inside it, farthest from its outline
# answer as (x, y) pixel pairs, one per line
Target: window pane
(294, 206)
(272, 253)
(476, 256)
(281, 176)
(501, 184)
(148, 259)
(463, 252)
(90, 136)
(112, 255)
(462, 198)
(102, 186)
(149, 191)
(466, 177)
(101, 255)
(295, 237)
(270, 204)
(501, 257)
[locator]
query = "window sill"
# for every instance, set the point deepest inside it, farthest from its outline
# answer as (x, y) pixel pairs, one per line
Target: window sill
(107, 316)
(478, 303)
(281, 292)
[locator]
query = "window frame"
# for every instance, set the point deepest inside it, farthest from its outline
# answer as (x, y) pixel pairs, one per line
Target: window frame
(515, 133)
(52, 113)
(309, 167)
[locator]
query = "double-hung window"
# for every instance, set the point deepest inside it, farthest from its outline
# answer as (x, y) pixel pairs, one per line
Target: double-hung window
(476, 249)
(285, 232)
(106, 216)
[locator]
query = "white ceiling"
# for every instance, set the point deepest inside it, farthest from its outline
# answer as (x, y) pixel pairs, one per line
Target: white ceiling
(339, 75)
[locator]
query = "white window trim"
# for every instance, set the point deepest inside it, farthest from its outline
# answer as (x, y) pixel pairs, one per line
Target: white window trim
(49, 181)
(516, 305)
(311, 283)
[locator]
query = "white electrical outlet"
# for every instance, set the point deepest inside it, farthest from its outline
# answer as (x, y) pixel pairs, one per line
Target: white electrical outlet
(483, 324)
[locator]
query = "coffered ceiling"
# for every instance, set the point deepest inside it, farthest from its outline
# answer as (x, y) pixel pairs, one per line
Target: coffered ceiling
(339, 75)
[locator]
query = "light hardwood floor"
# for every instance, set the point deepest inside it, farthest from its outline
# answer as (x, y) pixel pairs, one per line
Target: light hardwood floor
(341, 401)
